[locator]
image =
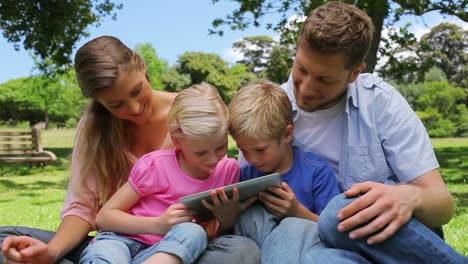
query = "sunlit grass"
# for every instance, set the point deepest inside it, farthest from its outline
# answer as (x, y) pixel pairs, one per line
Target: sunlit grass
(33, 196)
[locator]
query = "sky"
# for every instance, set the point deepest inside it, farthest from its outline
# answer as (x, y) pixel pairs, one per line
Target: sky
(174, 27)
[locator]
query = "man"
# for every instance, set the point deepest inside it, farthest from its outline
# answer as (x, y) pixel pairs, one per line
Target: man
(378, 147)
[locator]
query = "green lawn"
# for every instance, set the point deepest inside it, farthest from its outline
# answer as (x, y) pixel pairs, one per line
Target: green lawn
(32, 196)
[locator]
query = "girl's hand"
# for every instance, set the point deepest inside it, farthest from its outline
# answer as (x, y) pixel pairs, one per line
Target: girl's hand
(174, 215)
(24, 249)
(282, 202)
(226, 210)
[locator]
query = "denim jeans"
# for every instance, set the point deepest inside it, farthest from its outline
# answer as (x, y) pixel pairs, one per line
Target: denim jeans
(288, 240)
(44, 236)
(412, 243)
(231, 249)
(185, 240)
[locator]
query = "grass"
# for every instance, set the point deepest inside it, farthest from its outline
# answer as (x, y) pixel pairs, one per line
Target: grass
(33, 196)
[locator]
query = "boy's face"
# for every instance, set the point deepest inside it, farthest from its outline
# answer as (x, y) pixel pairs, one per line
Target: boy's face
(320, 81)
(267, 155)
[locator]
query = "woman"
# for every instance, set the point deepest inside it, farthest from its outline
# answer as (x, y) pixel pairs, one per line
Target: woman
(124, 120)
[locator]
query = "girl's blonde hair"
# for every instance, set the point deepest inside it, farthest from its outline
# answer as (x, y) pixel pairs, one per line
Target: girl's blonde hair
(105, 140)
(198, 112)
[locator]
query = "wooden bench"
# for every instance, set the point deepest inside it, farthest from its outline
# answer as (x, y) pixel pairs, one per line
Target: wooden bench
(23, 145)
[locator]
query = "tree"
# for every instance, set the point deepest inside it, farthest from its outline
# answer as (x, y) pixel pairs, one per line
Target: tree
(251, 12)
(279, 64)
(196, 67)
(50, 29)
(155, 66)
(256, 52)
(41, 98)
(445, 47)
(266, 58)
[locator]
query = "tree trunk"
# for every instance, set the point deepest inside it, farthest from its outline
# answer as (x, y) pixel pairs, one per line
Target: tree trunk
(378, 11)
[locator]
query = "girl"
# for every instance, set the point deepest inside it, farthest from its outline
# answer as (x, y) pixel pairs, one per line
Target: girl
(145, 210)
(124, 120)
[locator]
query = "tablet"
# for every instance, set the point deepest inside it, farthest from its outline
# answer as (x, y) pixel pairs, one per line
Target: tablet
(247, 189)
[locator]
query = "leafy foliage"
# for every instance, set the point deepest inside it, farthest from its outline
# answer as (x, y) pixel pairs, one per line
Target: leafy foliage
(266, 58)
(155, 66)
(251, 13)
(196, 67)
(50, 29)
(439, 105)
(445, 46)
(39, 98)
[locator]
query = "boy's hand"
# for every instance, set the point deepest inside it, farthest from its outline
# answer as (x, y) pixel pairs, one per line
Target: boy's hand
(226, 210)
(282, 202)
(174, 215)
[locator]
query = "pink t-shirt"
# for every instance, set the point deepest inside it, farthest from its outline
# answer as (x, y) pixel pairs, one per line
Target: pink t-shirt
(158, 178)
(78, 204)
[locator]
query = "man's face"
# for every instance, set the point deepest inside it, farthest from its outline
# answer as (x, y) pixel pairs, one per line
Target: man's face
(320, 81)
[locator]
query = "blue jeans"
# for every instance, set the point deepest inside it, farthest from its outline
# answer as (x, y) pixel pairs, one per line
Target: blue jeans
(288, 240)
(230, 248)
(412, 243)
(185, 240)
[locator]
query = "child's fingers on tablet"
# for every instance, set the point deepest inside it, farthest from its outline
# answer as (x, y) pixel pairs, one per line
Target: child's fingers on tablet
(215, 198)
(235, 194)
(206, 204)
(222, 194)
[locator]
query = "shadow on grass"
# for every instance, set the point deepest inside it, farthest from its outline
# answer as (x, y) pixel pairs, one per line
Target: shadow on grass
(462, 202)
(28, 168)
(453, 163)
(28, 188)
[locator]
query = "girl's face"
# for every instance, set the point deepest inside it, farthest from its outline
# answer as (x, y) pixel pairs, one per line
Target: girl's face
(200, 157)
(130, 98)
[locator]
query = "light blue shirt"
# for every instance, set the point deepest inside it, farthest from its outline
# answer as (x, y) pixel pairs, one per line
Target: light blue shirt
(384, 140)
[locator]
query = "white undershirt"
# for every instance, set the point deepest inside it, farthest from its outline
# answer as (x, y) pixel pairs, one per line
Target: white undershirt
(321, 132)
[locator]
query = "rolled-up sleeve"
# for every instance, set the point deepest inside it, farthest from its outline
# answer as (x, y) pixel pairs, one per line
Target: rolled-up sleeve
(405, 141)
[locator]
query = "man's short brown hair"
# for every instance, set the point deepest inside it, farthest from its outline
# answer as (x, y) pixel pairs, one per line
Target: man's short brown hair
(336, 27)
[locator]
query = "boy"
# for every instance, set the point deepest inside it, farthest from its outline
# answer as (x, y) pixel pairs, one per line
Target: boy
(261, 122)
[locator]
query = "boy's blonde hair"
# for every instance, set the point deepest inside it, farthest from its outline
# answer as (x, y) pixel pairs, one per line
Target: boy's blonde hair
(198, 112)
(260, 110)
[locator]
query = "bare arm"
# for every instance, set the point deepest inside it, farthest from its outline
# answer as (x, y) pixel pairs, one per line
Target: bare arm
(114, 217)
(24, 249)
(391, 206)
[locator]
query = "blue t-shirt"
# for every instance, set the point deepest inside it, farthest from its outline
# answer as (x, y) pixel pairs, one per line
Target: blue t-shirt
(311, 178)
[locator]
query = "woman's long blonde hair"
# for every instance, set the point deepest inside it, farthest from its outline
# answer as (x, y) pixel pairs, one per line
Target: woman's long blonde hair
(105, 140)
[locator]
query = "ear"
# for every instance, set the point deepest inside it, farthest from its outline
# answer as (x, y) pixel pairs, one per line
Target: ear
(143, 66)
(176, 141)
(289, 133)
(355, 73)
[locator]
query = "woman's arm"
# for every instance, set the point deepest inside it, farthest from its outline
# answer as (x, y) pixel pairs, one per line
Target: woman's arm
(114, 217)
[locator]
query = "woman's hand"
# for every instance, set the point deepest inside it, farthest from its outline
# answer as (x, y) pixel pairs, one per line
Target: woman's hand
(385, 208)
(24, 249)
(226, 210)
(174, 215)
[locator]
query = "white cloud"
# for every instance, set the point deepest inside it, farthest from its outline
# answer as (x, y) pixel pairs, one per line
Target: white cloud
(231, 55)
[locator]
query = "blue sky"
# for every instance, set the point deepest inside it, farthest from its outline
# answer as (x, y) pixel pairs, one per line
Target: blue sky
(173, 27)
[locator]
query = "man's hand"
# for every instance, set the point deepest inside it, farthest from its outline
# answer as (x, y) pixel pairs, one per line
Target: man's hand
(385, 208)
(24, 249)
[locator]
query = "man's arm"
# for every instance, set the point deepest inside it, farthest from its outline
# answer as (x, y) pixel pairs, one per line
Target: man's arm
(388, 207)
